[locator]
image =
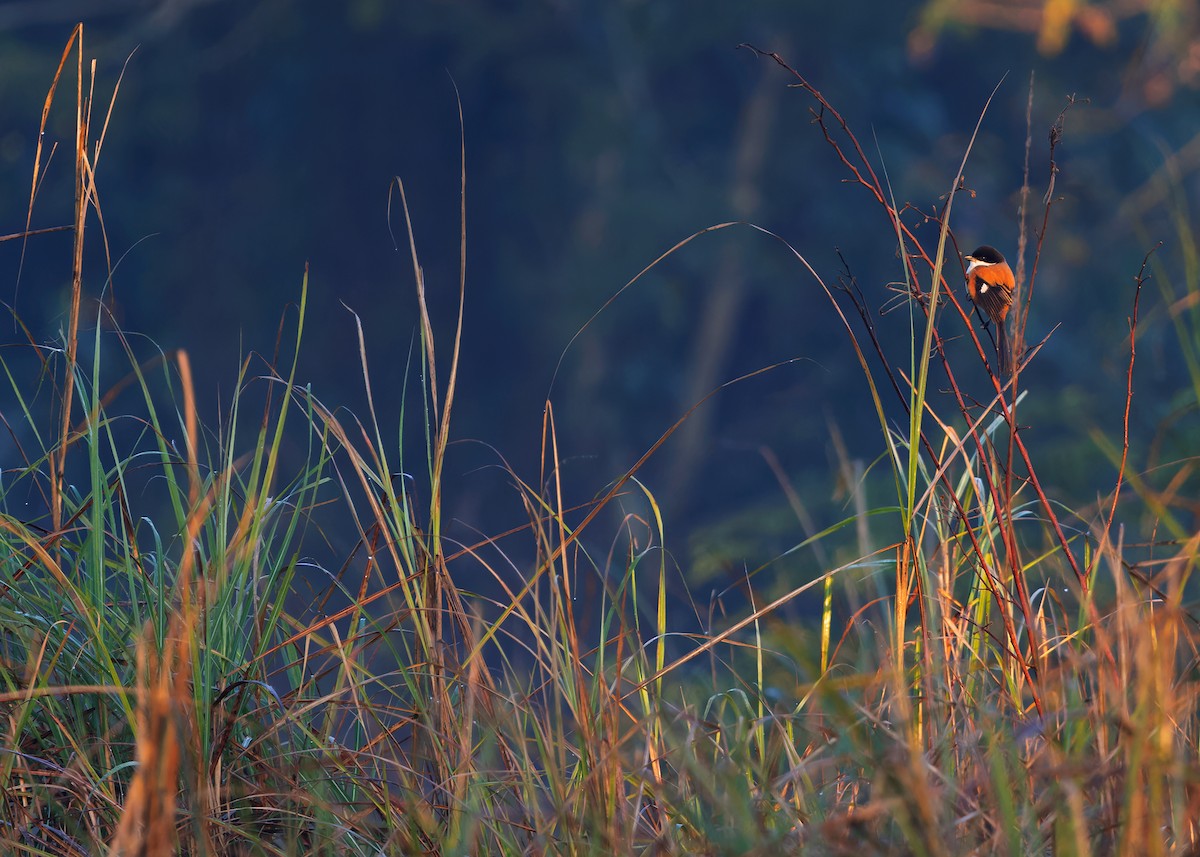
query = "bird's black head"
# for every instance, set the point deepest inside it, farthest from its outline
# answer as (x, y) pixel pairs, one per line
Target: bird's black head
(987, 255)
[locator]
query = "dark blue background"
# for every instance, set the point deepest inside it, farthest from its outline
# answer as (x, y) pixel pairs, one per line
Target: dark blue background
(249, 139)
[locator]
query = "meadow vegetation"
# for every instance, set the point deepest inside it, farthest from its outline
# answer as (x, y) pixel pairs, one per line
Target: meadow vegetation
(248, 633)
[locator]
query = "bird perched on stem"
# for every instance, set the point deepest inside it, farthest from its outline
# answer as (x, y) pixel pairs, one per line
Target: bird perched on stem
(990, 285)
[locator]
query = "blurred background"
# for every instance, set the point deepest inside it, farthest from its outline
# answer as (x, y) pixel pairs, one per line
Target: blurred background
(248, 139)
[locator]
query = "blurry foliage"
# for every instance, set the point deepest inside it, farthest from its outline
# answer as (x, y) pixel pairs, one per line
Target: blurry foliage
(1169, 54)
(597, 135)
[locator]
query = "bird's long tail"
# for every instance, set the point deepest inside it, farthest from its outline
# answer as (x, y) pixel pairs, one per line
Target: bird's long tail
(1003, 352)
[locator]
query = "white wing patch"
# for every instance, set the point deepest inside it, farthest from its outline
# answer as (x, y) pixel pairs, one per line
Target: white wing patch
(983, 287)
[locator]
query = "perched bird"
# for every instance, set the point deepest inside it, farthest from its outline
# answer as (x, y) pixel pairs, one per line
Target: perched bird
(990, 285)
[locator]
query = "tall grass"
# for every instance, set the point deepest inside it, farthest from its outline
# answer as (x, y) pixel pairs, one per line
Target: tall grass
(190, 666)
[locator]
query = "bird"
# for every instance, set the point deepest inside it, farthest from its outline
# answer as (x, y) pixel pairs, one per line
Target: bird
(990, 285)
